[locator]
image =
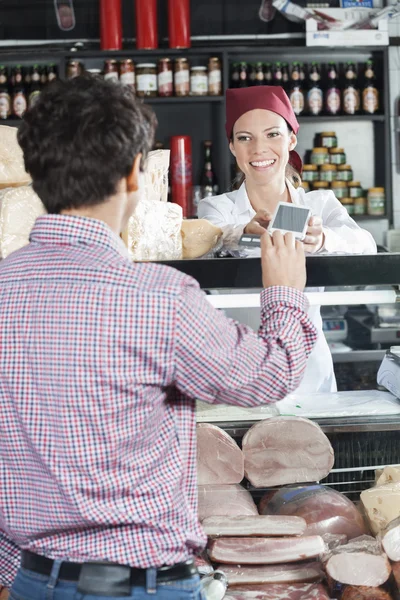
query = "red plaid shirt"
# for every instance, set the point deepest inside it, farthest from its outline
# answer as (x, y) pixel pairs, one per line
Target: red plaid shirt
(100, 360)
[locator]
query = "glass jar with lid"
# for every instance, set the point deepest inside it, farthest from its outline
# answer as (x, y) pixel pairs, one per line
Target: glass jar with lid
(348, 204)
(344, 173)
(340, 189)
(127, 72)
(182, 77)
(111, 72)
(146, 80)
(328, 139)
(376, 201)
(327, 173)
(306, 186)
(165, 78)
(198, 81)
(355, 189)
(360, 205)
(320, 185)
(310, 173)
(319, 156)
(337, 156)
(214, 76)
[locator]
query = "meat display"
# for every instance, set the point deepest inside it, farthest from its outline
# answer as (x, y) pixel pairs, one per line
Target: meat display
(291, 573)
(219, 458)
(365, 593)
(283, 450)
(257, 526)
(396, 574)
(325, 511)
(280, 592)
(225, 501)
(391, 540)
(264, 551)
(382, 505)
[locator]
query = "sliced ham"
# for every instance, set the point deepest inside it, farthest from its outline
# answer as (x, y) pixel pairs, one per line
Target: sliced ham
(279, 592)
(361, 562)
(325, 511)
(365, 593)
(291, 573)
(259, 551)
(391, 540)
(225, 501)
(257, 526)
(219, 458)
(283, 450)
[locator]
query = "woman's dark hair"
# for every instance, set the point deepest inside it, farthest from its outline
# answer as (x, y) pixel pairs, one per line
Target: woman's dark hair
(81, 138)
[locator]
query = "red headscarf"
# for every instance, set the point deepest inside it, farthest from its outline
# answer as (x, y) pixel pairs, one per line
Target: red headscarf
(267, 97)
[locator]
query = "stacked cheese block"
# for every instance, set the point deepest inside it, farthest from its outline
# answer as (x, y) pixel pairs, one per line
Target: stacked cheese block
(305, 539)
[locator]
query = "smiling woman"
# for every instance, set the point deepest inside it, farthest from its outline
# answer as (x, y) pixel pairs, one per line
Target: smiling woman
(262, 131)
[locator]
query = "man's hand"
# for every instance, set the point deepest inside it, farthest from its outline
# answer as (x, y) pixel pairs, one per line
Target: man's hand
(259, 223)
(3, 593)
(283, 261)
(315, 238)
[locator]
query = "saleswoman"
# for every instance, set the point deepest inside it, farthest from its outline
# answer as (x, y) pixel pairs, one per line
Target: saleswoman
(261, 128)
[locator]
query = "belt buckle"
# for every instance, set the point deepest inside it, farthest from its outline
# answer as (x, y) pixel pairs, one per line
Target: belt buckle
(104, 579)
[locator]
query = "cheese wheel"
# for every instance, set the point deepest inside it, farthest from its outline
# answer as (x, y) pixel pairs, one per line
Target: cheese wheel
(12, 169)
(199, 236)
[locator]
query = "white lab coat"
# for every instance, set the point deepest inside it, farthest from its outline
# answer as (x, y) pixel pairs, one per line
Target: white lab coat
(342, 235)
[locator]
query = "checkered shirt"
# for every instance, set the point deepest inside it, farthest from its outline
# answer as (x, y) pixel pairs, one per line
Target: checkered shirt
(100, 362)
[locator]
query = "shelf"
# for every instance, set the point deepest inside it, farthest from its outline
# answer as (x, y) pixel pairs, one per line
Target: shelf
(341, 118)
(11, 122)
(369, 217)
(185, 100)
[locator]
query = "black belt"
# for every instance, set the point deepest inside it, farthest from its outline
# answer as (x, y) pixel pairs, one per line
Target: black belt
(70, 571)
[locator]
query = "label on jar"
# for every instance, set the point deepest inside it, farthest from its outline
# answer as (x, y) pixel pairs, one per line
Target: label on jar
(370, 99)
(19, 104)
(128, 78)
(350, 208)
(333, 101)
(315, 101)
(214, 81)
(351, 101)
(198, 84)
(328, 142)
(165, 82)
(376, 206)
(146, 83)
(182, 81)
(344, 176)
(111, 76)
(319, 159)
(338, 159)
(359, 209)
(341, 192)
(328, 175)
(5, 105)
(297, 101)
(310, 176)
(356, 192)
(33, 98)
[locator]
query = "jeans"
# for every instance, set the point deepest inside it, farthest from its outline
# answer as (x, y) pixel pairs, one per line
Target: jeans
(29, 585)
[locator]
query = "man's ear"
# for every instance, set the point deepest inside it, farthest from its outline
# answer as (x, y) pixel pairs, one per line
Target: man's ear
(132, 181)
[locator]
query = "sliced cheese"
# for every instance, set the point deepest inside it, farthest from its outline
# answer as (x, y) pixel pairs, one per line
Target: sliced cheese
(382, 505)
(12, 169)
(199, 236)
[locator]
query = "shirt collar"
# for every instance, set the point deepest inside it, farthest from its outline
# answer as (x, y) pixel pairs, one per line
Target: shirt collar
(76, 231)
(243, 205)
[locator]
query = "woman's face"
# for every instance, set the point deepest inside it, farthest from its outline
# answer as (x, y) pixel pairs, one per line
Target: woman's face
(261, 144)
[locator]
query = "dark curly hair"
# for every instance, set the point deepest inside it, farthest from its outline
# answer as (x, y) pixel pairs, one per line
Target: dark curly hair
(81, 138)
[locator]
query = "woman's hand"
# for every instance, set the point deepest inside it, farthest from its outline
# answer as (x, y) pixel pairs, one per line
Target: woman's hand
(259, 223)
(315, 237)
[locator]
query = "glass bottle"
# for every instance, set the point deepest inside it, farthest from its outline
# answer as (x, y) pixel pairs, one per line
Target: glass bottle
(5, 100)
(267, 74)
(259, 78)
(285, 77)
(370, 93)
(277, 76)
(235, 75)
(243, 75)
(296, 94)
(332, 94)
(315, 96)
(208, 180)
(351, 92)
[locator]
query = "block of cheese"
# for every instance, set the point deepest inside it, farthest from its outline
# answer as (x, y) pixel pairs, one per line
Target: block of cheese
(155, 175)
(19, 209)
(199, 236)
(12, 169)
(381, 505)
(389, 475)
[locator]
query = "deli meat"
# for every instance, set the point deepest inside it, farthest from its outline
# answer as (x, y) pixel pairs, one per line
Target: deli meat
(279, 592)
(264, 551)
(325, 511)
(224, 501)
(283, 450)
(361, 562)
(219, 458)
(396, 574)
(365, 593)
(291, 573)
(258, 526)
(391, 540)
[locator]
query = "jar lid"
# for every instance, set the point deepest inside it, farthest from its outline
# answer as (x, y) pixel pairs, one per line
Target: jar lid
(320, 184)
(378, 190)
(310, 168)
(146, 66)
(344, 168)
(354, 184)
(339, 184)
(199, 68)
(346, 200)
(359, 200)
(324, 150)
(328, 133)
(336, 150)
(328, 168)
(94, 71)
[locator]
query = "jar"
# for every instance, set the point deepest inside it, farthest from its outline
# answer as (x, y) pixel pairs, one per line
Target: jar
(355, 189)
(310, 173)
(198, 81)
(146, 80)
(319, 156)
(337, 156)
(306, 186)
(348, 204)
(327, 173)
(74, 69)
(181, 77)
(320, 185)
(360, 205)
(344, 173)
(328, 139)
(340, 189)
(165, 78)
(214, 77)
(94, 72)
(127, 72)
(376, 201)
(111, 70)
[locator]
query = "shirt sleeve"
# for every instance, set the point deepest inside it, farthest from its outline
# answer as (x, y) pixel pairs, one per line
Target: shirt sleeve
(342, 234)
(221, 361)
(10, 557)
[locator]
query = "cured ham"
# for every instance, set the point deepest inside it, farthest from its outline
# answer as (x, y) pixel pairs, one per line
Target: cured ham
(257, 526)
(391, 540)
(219, 458)
(224, 501)
(291, 573)
(280, 592)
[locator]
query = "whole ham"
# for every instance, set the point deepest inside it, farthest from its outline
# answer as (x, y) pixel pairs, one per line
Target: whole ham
(283, 450)
(325, 511)
(224, 501)
(365, 593)
(391, 540)
(219, 458)
(257, 526)
(291, 573)
(265, 551)
(279, 592)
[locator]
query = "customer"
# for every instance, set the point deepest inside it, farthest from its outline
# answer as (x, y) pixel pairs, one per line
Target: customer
(101, 361)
